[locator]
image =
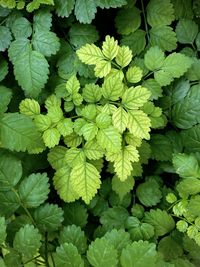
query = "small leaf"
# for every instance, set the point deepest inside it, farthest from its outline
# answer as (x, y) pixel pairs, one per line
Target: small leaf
(122, 187)
(120, 119)
(51, 137)
(85, 10)
(186, 31)
(109, 139)
(154, 58)
(5, 97)
(110, 47)
(5, 38)
(102, 68)
(124, 56)
(64, 8)
(90, 54)
(29, 107)
(112, 89)
(21, 28)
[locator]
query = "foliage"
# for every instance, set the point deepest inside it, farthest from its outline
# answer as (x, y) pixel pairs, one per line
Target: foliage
(99, 133)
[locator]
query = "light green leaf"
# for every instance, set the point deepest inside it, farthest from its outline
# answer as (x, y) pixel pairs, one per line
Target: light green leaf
(5, 38)
(51, 137)
(110, 47)
(56, 157)
(29, 107)
(90, 54)
(92, 93)
(67, 255)
(34, 190)
(63, 185)
(72, 140)
(42, 122)
(109, 139)
(110, 3)
(186, 31)
(102, 68)
(85, 10)
(21, 28)
(73, 234)
(122, 187)
(48, 217)
(74, 156)
(153, 87)
(65, 127)
(89, 131)
(103, 120)
(134, 74)
(93, 151)
(64, 8)
(19, 133)
(161, 220)
(154, 58)
(112, 88)
(85, 180)
(9, 177)
(124, 56)
(164, 37)
(2, 230)
(139, 124)
(27, 241)
(160, 12)
(101, 253)
(120, 119)
(45, 42)
(128, 20)
(5, 97)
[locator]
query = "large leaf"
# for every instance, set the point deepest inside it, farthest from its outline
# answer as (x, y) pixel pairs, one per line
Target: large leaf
(119, 239)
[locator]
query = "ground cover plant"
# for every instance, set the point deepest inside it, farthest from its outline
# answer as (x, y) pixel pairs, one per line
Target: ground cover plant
(99, 133)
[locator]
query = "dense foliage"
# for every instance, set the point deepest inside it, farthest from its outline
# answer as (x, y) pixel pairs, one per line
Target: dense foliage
(99, 133)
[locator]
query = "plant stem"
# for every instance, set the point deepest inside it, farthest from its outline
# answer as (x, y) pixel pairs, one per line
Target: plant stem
(145, 20)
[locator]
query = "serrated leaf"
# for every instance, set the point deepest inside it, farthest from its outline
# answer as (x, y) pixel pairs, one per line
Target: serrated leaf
(72, 140)
(122, 187)
(93, 151)
(92, 93)
(143, 231)
(3, 233)
(42, 122)
(161, 147)
(103, 120)
(110, 47)
(75, 213)
(102, 68)
(21, 28)
(56, 157)
(153, 87)
(67, 255)
(3, 68)
(51, 137)
(48, 217)
(29, 107)
(120, 119)
(85, 180)
(74, 156)
(89, 131)
(110, 3)
(65, 127)
(160, 12)
(186, 31)
(109, 139)
(191, 138)
(139, 124)
(63, 185)
(101, 253)
(42, 20)
(27, 241)
(112, 89)
(90, 54)
(74, 235)
(119, 239)
(134, 74)
(164, 37)
(124, 56)
(40, 44)
(19, 133)
(9, 203)
(85, 10)
(34, 190)
(5, 97)
(64, 8)
(154, 58)
(5, 38)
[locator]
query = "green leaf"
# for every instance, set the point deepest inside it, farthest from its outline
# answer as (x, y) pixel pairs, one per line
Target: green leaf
(27, 241)
(74, 235)
(124, 56)
(103, 120)
(119, 239)
(42, 20)
(134, 74)
(3, 68)
(135, 97)
(40, 44)
(19, 133)
(9, 177)
(42, 122)
(67, 255)
(191, 138)
(154, 58)
(90, 54)
(122, 187)
(9, 203)
(64, 8)
(112, 89)
(153, 87)
(31, 70)
(85, 180)
(149, 193)
(170, 248)
(164, 37)
(110, 47)
(92, 150)
(5, 38)
(186, 31)
(91, 93)
(161, 220)
(81, 34)
(160, 12)
(74, 156)
(34, 190)
(186, 165)
(102, 68)
(161, 147)
(48, 217)
(5, 97)
(110, 3)
(85, 10)
(29, 107)
(109, 139)
(120, 119)
(21, 28)
(143, 231)
(75, 213)
(101, 253)
(56, 157)
(2, 230)
(139, 124)
(128, 20)
(51, 137)
(89, 131)
(65, 127)
(63, 184)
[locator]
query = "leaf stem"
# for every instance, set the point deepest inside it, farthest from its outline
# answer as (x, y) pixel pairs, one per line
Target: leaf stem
(145, 20)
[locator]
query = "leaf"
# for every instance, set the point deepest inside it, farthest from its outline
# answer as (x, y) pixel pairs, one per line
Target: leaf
(19, 133)
(134, 74)
(92, 93)
(102, 68)
(89, 131)
(29, 107)
(42, 20)
(9, 203)
(186, 31)
(74, 235)
(56, 157)
(119, 239)
(81, 34)
(9, 177)
(63, 184)
(90, 54)
(101, 253)
(110, 3)
(160, 13)
(139, 124)
(74, 156)
(120, 119)
(51, 137)
(109, 139)
(48, 217)
(5, 97)
(64, 8)
(143, 231)
(85, 180)
(27, 241)
(161, 147)
(124, 56)
(85, 10)
(112, 89)
(110, 47)
(161, 220)
(3, 68)
(34, 190)
(40, 43)
(154, 58)
(122, 187)
(128, 20)
(149, 193)
(3, 233)
(93, 151)
(135, 97)
(186, 165)
(5, 38)
(163, 37)
(65, 127)
(67, 255)
(31, 70)
(191, 138)
(75, 213)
